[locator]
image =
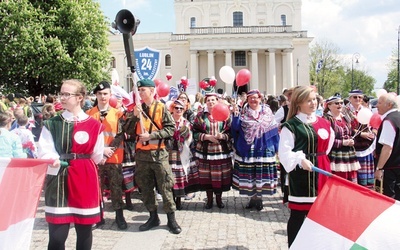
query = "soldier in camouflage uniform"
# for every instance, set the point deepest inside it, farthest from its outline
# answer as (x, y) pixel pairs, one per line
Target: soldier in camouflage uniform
(153, 125)
(111, 165)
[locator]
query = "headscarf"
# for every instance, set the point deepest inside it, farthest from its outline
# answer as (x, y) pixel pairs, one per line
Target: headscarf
(256, 122)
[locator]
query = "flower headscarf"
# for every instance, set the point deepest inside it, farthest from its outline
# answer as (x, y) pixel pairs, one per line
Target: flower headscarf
(256, 122)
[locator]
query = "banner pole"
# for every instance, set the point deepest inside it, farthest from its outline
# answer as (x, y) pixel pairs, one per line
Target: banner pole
(314, 168)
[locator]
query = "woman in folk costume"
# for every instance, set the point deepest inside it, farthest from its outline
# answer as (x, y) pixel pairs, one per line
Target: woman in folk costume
(344, 162)
(364, 140)
(305, 140)
(213, 151)
(179, 154)
(256, 139)
(72, 191)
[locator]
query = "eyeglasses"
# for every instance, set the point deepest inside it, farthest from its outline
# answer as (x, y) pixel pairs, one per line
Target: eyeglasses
(359, 97)
(338, 103)
(178, 108)
(66, 95)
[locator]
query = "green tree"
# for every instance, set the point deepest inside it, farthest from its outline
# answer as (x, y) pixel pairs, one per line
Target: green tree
(363, 81)
(391, 83)
(45, 42)
(326, 77)
(334, 76)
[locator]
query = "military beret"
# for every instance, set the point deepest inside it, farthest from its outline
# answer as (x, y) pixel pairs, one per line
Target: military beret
(101, 86)
(145, 83)
(10, 97)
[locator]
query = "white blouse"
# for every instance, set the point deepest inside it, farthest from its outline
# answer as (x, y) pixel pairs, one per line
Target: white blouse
(286, 144)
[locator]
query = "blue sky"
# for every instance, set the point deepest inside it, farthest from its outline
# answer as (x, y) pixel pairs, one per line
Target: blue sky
(367, 27)
(154, 15)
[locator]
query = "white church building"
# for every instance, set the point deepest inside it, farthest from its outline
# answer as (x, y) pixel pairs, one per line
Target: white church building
(263, 36)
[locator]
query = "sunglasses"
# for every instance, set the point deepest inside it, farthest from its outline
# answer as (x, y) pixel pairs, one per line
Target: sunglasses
(338, 103)
(359, 97)
(178, 108)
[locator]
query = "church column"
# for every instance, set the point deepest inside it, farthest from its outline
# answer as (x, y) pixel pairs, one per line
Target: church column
(210, 63)
(228, 62)
(228, 57)
(194, 66)
(271, 72)
(287, 68)
(254, 70)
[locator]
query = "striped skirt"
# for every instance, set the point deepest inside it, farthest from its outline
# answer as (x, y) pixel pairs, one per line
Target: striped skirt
(365, 175)
(179, 173)
(128, 171)
(255, 176)
(215, 175)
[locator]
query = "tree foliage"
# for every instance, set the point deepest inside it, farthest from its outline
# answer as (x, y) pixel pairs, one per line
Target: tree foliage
(334, 76)
(392, 81)
(45, 42)
(327, 53)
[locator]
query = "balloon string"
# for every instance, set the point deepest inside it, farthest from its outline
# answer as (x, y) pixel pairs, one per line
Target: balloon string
(360, 131)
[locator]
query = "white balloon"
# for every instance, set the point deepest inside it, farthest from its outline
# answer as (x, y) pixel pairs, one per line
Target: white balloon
(114, 77)
(381, 92)
(192, 98)
(364, 115)
(227, 74)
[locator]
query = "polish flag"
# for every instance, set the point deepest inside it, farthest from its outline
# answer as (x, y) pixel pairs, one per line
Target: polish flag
(21, 182)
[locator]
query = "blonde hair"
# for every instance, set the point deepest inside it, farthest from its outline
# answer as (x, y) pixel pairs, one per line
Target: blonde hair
(80, 88)
(300, 94)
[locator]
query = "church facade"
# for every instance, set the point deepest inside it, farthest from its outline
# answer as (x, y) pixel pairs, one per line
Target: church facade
(263, 36)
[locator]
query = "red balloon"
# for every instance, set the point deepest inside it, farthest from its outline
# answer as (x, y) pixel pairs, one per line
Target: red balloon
(243, 77)
(169, 76)
(157, 82)
(184, 81)
(213, 82)
(220, 112)
(375, 120)
(113, 101)
(163, 89)
(203, 84)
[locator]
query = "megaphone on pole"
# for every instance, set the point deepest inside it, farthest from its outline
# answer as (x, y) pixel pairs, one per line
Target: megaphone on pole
(127, 24)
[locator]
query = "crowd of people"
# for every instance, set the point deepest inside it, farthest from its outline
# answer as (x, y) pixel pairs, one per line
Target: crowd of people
(179, 148)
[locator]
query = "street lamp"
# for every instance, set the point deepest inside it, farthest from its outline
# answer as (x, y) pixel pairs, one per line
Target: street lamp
(297, 72)
(398, 61)
(355, 56)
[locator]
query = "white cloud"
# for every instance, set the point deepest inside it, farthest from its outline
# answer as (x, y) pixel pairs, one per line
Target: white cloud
(368, 27)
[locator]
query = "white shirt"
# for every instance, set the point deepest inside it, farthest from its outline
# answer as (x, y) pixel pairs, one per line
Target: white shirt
(388, 131)
(289, 158)
(47, 149)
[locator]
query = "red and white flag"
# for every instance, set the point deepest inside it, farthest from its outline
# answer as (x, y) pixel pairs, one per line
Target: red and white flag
(21, 182)
(348, 216)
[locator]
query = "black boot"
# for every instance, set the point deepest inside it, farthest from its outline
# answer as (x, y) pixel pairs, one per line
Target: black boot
(209, 204)
(128, 201)
(178, 203)
(252, 203)
(172, 224)
(120, 220)
(259, 205)
(153, 221)
(218, 199)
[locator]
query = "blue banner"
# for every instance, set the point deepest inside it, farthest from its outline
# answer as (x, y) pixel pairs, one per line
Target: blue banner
(173, 93)
(147, 62)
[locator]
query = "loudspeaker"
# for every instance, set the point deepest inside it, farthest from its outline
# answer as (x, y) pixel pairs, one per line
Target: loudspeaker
(126, 22)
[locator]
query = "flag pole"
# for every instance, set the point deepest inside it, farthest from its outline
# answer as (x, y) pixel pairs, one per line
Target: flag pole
(314, 168)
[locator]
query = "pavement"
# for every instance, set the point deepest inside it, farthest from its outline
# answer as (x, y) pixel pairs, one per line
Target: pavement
(232, 227)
